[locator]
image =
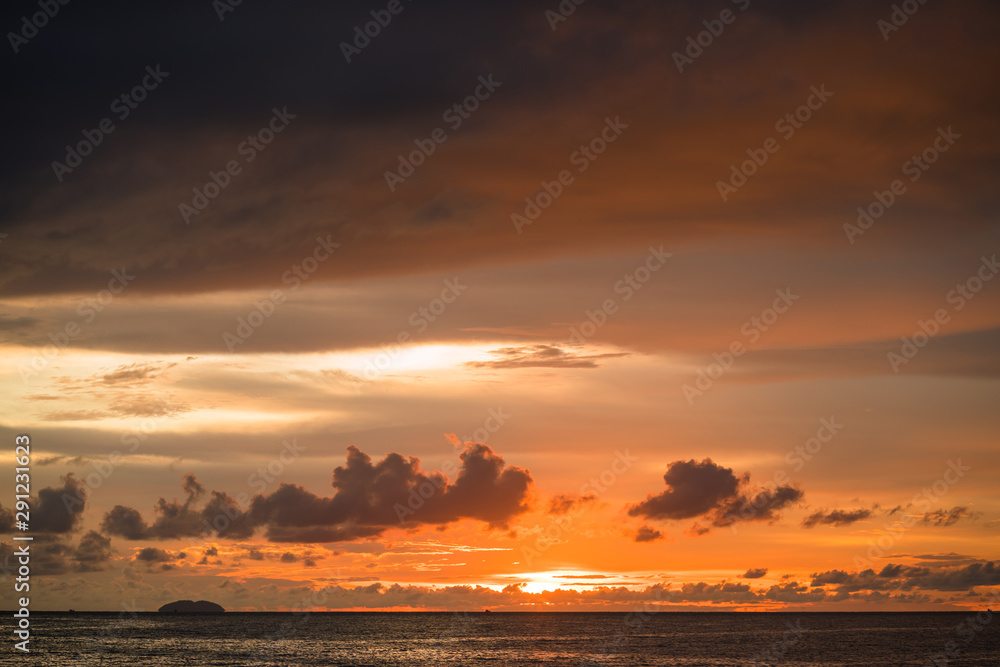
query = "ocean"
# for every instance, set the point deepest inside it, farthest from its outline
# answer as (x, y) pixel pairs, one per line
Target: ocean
(517, 638)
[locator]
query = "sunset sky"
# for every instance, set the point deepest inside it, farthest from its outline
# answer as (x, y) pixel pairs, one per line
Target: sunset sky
(706, 324)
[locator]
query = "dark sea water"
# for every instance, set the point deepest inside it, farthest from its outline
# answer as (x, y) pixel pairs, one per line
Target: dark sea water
(675, 638)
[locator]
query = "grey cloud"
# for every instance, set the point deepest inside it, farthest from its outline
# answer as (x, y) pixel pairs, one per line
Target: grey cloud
(368, 499)
(835, 517)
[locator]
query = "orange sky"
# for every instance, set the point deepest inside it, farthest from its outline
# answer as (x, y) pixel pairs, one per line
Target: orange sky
(589, 404)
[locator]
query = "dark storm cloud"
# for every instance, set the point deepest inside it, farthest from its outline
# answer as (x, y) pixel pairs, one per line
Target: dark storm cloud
(706, 489)
(59, 510)
(836, 577)
(192, 487)
(225, 516)
(939, 518)
(155, 555)
(179, 519)
(564, 503)
(51, 556)
(906, 577)
(754, 573)
(325, 175)
(223, 80)
(55, 554)
(761, 505)
(93, 551)
(174, 518)
(647, 534)
(984, 573)
(220, 69)
(944, 517)
(835, 517)
(793, 591)
(124, 522)
(726, 591)
(54, 510)
(369, 498)
(693, 488)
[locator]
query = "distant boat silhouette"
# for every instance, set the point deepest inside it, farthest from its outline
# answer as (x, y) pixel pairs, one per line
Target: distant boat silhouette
(486, 611)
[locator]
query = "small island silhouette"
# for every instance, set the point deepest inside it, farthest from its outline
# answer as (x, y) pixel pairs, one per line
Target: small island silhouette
(189, 607)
